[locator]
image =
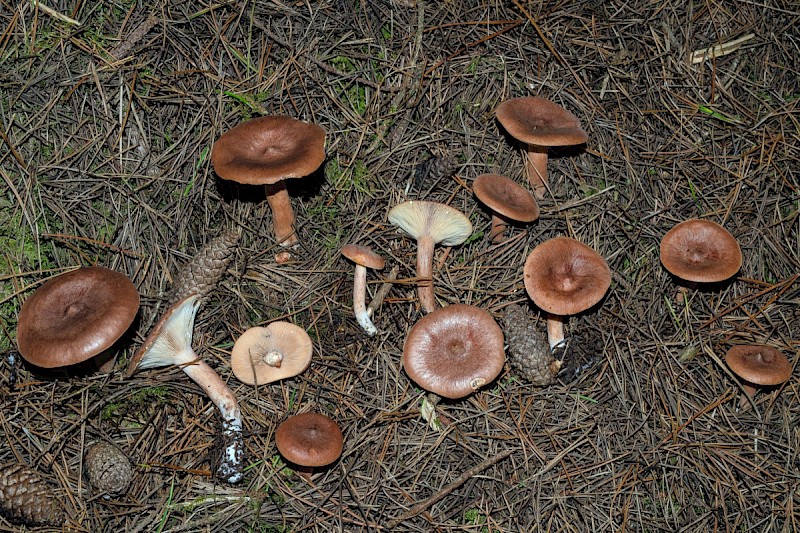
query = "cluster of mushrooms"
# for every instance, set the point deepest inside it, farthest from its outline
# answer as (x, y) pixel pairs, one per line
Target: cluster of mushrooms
(451, 351)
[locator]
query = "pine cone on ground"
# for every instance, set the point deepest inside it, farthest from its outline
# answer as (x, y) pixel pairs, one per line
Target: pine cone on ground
(528, 350)
(108, 469)
(25, 498)
(430, 171)
(203, 271)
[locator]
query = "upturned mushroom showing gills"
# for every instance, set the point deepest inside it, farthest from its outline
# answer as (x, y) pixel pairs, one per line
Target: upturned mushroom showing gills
(564, 277)
(700, 251)
(758, 366)
(170, 343)
(266, 151)
(540, 124)
(263, 355)
(508, 201)
(364, 258)
(430, 223)
(76, 316)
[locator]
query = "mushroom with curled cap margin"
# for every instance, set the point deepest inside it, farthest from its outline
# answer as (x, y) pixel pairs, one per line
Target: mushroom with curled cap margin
(267, 151)
(309, 440)
(507, 200)
(564, 277)
(430, 223)
(540, 124)
(364, 258)
(170, 343)
(700, 251)
(76, 316)
(262, 355)
(757, 365)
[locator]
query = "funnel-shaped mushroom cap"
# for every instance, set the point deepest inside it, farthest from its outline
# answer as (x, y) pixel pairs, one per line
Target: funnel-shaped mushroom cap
(535, 120)
(75, 316)
(454, 350)
(263, 355)
(444, 224)
(309, 439)
(268, 149)
(505, 197)
(701, 251)
(363, 255)
(758, 364)
(565, 277)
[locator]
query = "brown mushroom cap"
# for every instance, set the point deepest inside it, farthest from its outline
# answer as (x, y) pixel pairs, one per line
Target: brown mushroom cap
(364, 256)
(268, 149)
(505, 197)
(565, 277)
(454, 350)
(290, 345)
(759, 364)
(539, 121)
(700, 251)
(75, 316)
(309, 439)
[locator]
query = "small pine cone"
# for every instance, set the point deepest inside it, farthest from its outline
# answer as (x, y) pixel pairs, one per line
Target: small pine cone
(427, 173)
(203, 271)
(108, 469)
(25, 498)
(528, 350)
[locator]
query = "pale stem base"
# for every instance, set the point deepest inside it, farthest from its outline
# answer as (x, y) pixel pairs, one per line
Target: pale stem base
(360, 301)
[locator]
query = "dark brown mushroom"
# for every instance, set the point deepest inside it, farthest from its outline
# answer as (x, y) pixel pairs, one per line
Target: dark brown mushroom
(309, 440)
(507, 200)
(700, 251)
(758, 365)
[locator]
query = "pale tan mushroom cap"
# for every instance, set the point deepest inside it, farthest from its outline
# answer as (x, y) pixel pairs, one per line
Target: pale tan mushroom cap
(701, 251)
(254, 348)
(506, 197)
(539, 121)
(759, 364)
(444, 224)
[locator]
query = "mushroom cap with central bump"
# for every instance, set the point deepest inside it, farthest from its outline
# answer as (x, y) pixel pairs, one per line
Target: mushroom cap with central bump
(309, 439)
(268, 149)
(539, 121)
(565, 277)
(700, 251)
(759, 364)
(454, 350)
(444, 224)
(506, 197)
(75, 316)
(263, 355)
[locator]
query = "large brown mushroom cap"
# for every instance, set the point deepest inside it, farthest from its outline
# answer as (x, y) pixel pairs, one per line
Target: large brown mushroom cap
(700, 251)
(75, 316)
(506, 197)
(565, 277)
(268, 149)
(454, 350)
(309, 439)
(758, 364)
(263, 355)
(539, 121)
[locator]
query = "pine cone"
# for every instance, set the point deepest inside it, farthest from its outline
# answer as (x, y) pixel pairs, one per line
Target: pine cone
(26, 498)
(108, 469)
(528, 350)
(427, 173)
(203, 271)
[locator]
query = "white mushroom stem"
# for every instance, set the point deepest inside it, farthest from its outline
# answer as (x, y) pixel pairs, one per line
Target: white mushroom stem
(282, 214)
(274, 358)
(537, 169)
(360, 300)
(425, 245)
(555, 331)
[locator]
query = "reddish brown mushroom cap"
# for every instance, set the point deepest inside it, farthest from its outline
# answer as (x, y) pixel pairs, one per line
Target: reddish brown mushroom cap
(309, 439)
(759, 364)
(364, 256)
(266, 150)
(505, 197)
(700, 251)
(75, 316)
(535, 120)
(565, 277)
(454, 350)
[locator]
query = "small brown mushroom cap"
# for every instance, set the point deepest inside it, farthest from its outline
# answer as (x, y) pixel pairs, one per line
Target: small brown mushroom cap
(700, 251)
(309, 439)
(419, 218)
(364, 256)
(268, 149)
(505, 197)
(75, 316)
(454, 350)
(565, 277)
(759, 364)
(539, 121)
(263, 355)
